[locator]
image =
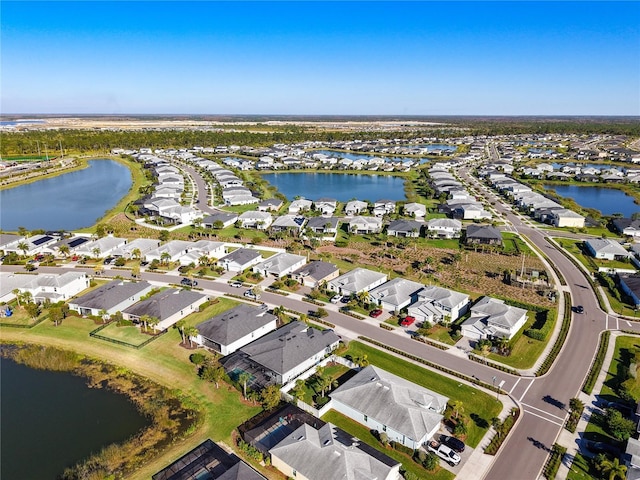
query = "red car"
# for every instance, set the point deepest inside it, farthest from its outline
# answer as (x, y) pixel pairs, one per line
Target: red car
(408, 320)
(375, 313)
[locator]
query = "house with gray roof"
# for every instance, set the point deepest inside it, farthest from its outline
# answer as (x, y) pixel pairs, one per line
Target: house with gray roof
(483, 235)
(240, 259)
(416, 210)
(492, 318)
(631, 458)
(404, 228)
(270, 205)
(203, 248)
(282, 355)
(355, 207)
(408, 413)
(225, 219)
(168, 306)
(143, 245)
(630, 284)
(279, 265)
(356, 281)
(439, 305)
(307, 452)
(444, 228)
(325, 226)
(10, 282)
(255, 219)
(102, 247)
(396, 294)
(363, 225)
(628, 226)
(55, 287)
(235, 328)
(288, 223)
(606, 249)
(171, 250)
(112, 297)
(563, 217)
(315, 273)
(383, 207)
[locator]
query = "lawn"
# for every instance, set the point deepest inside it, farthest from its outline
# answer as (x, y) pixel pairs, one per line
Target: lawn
(576, 248)
(21, 317)
(481, 406)
(216, 307)
(163, 361)
(338, 373)
(581, 469)
(441, 334)
(625, 350)
(512, 243)
(364, 434)
(129, 334)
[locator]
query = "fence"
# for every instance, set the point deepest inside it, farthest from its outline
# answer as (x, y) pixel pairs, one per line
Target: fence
(95, 334)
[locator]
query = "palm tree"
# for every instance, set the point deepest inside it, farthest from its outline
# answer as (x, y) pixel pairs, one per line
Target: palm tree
(191, 332)
(614, 468)
(24, 246)
(64, 250)
(497, 424)
(96, 252)
(298, 390)
(180, 324)
(457, 408)
(144, 319)
(243, 378)
(18, 295)
(136, 253)
(153, 322)
(165, 257)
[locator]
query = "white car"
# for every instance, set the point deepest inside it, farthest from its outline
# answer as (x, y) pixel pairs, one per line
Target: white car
(336, 299)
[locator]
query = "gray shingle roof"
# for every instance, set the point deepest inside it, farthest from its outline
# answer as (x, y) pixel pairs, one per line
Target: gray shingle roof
(164, 304)
(109, 295)
(234, 324)
(241, 256)
(317, 270)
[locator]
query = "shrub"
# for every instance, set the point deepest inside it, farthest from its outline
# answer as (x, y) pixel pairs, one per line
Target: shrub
(401, 448)
(535, 334)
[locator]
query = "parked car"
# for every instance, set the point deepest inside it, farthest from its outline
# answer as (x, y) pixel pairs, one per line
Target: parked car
(375, 313)
(602, 447)
(336, 298)
(188, 282)
(251, 294)
(408, 320)
(236, 284)
(453, 443)
(108, 260)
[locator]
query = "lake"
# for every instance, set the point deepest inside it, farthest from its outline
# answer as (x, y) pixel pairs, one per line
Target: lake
(362, 156)
(66, 202)
(52, 420)
(343, 187)
(607, 200)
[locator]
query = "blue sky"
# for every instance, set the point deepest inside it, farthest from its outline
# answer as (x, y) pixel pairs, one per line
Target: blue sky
(413, 58)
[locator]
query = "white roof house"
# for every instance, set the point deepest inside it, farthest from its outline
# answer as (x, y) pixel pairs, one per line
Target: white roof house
(102, 247)
(143, 245)
(444, 227)
(606, 249)
(355, 207)
(437, 304)
(417, 210)
(364, 225)
(408, 413)
(300, 205)
(240, 259)
(563, 217)
(356, 281)
(34, 244)
(491, 318)
(396, 294)
(55, 287)
(174, 249)
(258, 220)
(280, 265)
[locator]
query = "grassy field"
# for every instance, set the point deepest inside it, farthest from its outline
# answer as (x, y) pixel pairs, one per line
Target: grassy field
(478, 404)
(163, 361)
(128, 334)
(363, 433)
(577, 250)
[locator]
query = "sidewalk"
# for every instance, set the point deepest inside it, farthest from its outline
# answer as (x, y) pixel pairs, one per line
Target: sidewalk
(572, 440)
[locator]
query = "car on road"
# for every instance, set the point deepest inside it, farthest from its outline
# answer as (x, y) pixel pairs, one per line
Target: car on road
(188, 282)
(578, 309)
(108, 260)
(375, 313)
(453, 443)
(408, 320)
(336, 299)
(236, 284)
(251, 294)
(602, 447)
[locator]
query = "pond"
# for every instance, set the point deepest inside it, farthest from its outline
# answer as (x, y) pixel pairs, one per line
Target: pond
(52, 420)
(607, 200)
(340, 186)
(66, 202)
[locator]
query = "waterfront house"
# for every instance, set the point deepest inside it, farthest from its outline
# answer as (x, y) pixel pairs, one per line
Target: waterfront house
(300, 205)
(168, 306)
(355, 207)
(326, 206)
(113, 297)
(383, 207)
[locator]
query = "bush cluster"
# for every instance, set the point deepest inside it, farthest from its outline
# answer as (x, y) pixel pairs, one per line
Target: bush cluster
(429, 342)
(502, 431)
(564, 331)
(598, 361)
(553, 462)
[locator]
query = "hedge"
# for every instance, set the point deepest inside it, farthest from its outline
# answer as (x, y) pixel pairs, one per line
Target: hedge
(598, 361)
(429, 342)
(386, 327)
(564, 331)
(553, 462)
(502, 433)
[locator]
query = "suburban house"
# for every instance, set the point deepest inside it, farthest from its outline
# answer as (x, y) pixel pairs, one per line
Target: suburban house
(396, 294)
(170, 251)
(325, 226)
(219, 220)
(102, 247)
(279, 265)
(439, 305)
(300, 205)
(315, 273)
(71, 243)
(491, 318)
(404, 228)
(606, 249)
(363, 225)
(8, 240)
(627, 226)
(139, 246)
(255, 219)
(355, 207)
(113, 297)
(9, 282)
(240, 259)
(235, 328)
(203, 248)
(270, 205)
(326, 206)
(416, 210)
(55, 287)
(383, 207)
(282, 355)
(563, 217)
(356, 281)
(328, 453)
(631, 458)
(630, 284)
(288, 223)
(483, 235)
(168, 306)
(444, 228)
(33, 245)
(381, 401)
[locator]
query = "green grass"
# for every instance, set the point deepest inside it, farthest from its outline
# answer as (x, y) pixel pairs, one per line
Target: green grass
(128, 334)
(363, 433)
(21, 317)
(441, 334)
(311, 393)
(581, 469)
(217, 306)
(482, 406)
(575, 248)
(512, 243)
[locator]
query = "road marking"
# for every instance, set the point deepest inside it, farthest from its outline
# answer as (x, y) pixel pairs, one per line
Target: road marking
(560, 424)
(526, 390)
(514, 385)
(606, 321)
(544, 411)
(628, 323)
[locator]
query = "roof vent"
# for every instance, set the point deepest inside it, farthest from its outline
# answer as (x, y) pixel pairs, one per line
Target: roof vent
(327, 442)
